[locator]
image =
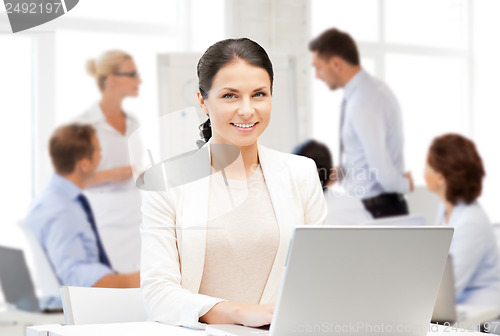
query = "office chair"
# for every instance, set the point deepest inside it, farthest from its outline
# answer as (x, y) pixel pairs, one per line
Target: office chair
(423, 202)
(91, 305)
(44, 275)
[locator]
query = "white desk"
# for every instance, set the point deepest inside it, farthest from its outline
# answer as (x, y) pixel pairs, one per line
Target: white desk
(13, 322)
(111, 329)
(158, 329)
(471, 317)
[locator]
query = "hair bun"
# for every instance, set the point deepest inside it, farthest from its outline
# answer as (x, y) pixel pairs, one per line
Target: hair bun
(205, 131)
(91, 67)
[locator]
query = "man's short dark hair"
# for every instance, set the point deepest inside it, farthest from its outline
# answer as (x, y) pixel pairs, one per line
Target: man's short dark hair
(69, 144)
(334, 42)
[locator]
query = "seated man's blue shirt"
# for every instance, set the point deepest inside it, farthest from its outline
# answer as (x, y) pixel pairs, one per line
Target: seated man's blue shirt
(59, 222)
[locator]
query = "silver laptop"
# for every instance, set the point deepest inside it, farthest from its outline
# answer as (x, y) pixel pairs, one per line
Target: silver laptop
(445, 308)
(17, 285)
(357, 281)
(410, 220)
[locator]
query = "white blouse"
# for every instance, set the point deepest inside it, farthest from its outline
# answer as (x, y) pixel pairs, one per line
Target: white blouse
(114, 146)
(116, 206)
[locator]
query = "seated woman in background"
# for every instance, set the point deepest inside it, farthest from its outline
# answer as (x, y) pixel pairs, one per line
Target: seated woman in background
(454, 171)
(343, 209)
(205, 258)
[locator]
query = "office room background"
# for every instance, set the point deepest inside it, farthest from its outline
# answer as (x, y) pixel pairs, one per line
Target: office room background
(440, 57)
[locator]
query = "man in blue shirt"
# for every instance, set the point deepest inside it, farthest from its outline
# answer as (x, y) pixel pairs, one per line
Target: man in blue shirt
(371, 137)
(61, 217)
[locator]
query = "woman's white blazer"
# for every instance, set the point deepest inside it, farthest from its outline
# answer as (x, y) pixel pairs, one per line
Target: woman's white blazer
(173, 234)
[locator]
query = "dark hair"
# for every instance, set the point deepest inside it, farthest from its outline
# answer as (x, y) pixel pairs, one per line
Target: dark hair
(321, 156)
(69, 144)
(220, 54)
(457, 159)
(333, 42)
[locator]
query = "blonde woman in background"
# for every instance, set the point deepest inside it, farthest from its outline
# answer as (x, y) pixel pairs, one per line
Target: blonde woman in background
(114, 198)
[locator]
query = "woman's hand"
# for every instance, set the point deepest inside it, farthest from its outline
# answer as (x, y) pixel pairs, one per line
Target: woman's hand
(250, 315)
(255, 315)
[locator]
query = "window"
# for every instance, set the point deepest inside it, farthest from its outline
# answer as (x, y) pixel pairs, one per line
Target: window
(485, 121)
(16, 132)
(207, 23)
(426, 23)
(431, 105)
(346, 15)
(145, 11)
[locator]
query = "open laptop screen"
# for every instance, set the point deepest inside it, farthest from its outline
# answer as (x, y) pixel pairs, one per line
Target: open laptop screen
(16, 281)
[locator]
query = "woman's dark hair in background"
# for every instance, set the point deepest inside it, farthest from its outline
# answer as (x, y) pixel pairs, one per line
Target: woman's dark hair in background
(321, 155)
(457, 159)
(219, 55)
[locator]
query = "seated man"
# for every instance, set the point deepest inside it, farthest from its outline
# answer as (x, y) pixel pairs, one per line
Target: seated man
(61, 217)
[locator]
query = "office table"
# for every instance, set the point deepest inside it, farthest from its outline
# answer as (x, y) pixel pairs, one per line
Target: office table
(13, 322)
(159, 329)
(471, 317)
(111, 329)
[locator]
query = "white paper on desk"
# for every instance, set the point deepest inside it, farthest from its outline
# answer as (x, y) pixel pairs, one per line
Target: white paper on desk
(123, 329)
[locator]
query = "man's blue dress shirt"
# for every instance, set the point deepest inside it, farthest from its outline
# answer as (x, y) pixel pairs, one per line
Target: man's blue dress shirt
(372, 137)
(59, 222)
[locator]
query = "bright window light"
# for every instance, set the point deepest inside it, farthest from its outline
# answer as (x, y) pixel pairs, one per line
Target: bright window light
(427, 23)
(361, 20)
(144, 11)
(430, 106)
(16, 136)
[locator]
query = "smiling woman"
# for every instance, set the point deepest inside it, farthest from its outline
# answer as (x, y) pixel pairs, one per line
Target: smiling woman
(239, 104)
(204, 257)
(235, 87)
